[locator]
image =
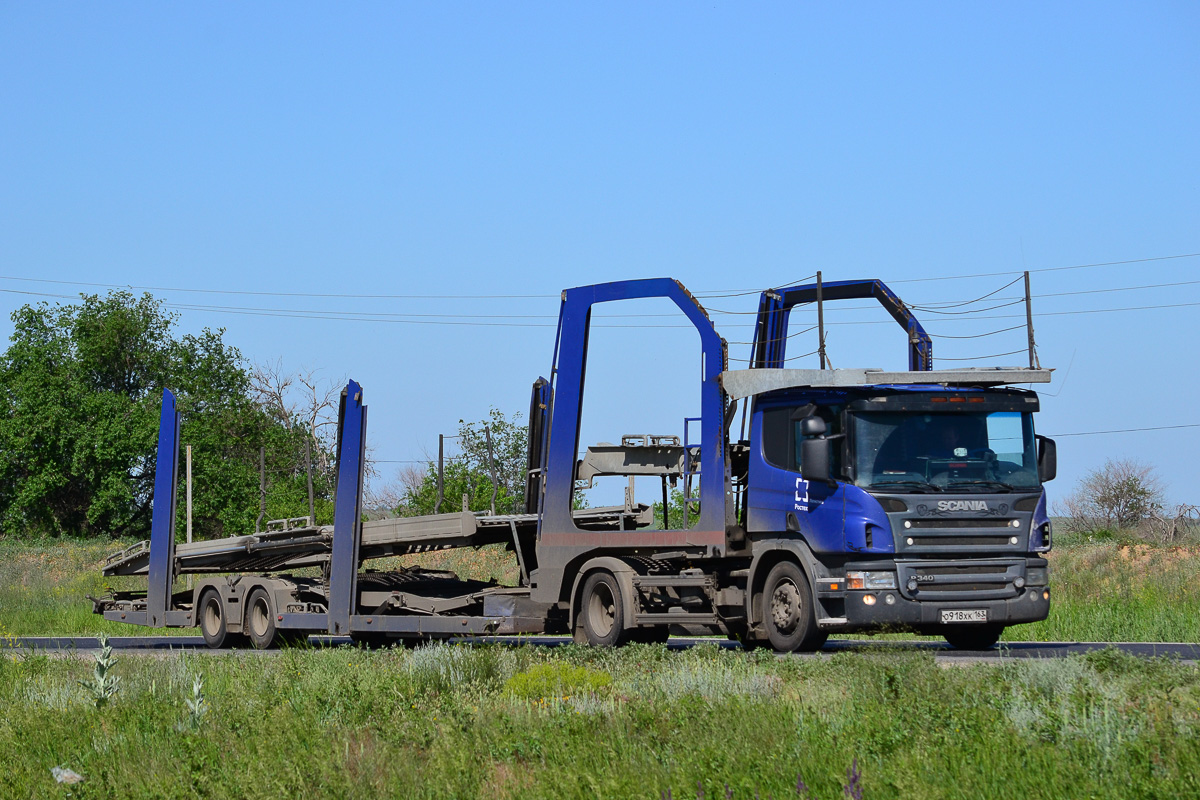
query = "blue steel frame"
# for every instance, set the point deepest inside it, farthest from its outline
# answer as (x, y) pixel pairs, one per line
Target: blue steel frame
(555, 525)
(162, 521)
(347, 510)
(770, 337)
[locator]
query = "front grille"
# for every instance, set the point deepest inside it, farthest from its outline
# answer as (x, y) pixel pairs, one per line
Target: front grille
(970, 541)
(960, 523)
(942, 581)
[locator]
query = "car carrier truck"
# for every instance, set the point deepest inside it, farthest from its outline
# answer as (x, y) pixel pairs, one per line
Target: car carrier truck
(854, 500)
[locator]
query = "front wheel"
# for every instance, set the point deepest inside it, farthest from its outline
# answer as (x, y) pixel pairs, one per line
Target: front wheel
(787, 610)
(975, 637)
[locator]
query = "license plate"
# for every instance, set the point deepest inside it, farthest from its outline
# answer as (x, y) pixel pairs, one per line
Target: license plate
(964, 615)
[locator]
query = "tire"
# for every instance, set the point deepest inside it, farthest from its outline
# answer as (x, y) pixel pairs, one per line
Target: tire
(975, 637)
(210, 616)
(601, 611)
(788, 612)
(259, 626)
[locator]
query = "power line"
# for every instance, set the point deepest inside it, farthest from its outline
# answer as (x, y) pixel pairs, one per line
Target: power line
(978, 335)
(1048, 269)
(966, 302)
(1129, 430)
(716, 293)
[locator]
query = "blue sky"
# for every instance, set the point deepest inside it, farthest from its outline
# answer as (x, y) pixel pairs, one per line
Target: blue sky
(478, 151)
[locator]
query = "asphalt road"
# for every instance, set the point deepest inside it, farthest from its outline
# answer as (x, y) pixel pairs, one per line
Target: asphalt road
(164, 644)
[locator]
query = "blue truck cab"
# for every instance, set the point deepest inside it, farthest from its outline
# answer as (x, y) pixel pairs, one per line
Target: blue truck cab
(911, 506)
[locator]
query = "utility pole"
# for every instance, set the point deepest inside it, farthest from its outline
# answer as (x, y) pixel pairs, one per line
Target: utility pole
(262, 487)
(820, 321)
(312, 513)
(189, 503)
(487, 431)
(437, 509)
(1033, 359)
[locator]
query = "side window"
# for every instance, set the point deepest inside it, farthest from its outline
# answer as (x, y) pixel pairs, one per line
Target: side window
(782, 438)
(777, 437)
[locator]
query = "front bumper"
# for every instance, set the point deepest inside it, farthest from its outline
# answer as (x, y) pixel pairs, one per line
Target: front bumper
(961, 585)
(1029, 606)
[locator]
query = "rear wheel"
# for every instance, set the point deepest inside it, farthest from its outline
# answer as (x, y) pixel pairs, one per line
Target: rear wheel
(601, 611)
(787, 610)
(975, 637)
(260, 620)
(210, 613)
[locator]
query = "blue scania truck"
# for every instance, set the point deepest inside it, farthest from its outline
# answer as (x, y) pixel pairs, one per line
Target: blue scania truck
(851, 500)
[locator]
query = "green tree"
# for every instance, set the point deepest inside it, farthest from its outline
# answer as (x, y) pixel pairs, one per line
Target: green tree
(80, 395)
(469, 473)
(675, 509)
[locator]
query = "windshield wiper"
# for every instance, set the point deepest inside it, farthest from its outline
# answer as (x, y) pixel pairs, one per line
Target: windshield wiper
(924, 485)
(982, 482)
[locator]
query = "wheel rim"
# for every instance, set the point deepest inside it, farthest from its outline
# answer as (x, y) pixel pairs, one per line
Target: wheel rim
(785, 606)
(212, 617)
(260, 619)
(602, 610)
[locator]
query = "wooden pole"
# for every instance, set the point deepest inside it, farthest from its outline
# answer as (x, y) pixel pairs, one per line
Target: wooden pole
(820, 321)
(1033, 362)
(189, 504)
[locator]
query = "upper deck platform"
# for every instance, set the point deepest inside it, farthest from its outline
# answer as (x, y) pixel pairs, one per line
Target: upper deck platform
(739, 383)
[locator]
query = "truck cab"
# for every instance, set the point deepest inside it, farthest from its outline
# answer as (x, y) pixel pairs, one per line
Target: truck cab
(914, 506)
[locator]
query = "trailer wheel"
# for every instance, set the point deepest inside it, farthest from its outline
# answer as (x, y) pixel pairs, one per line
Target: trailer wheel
(787, 610)
(260, 620)
(601, 613)
(976, 637)
(211, 615)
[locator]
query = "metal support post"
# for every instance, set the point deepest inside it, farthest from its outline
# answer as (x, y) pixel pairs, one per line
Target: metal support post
(666, 525)
(161, 569)
(347, 511)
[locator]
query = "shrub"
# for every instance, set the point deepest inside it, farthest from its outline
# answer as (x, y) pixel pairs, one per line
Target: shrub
(1122, 494)
(557, 680)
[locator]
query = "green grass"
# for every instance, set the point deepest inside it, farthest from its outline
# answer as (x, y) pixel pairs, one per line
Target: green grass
(444, 721)
(44, 588)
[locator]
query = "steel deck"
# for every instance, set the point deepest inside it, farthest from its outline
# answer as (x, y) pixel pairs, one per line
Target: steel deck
(310, 545)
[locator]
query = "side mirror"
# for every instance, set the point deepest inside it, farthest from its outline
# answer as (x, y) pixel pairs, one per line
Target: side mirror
(1047, 459)
(814, 459)
(812, 426)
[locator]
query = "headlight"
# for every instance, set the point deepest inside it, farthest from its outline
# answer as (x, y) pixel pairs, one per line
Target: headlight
(870, 580)
(1037, 576)
(1046, 531)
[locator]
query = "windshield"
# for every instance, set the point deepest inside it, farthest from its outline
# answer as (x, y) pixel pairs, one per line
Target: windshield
(906, 451)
